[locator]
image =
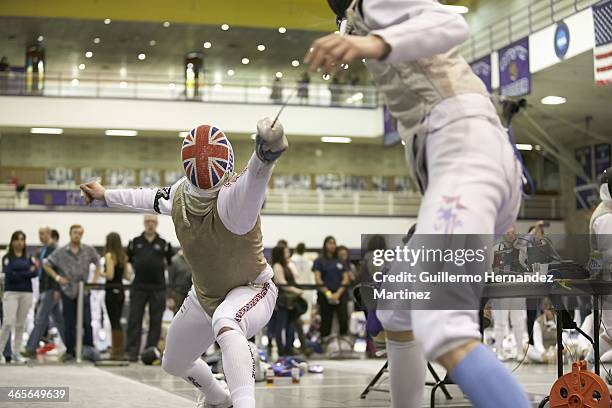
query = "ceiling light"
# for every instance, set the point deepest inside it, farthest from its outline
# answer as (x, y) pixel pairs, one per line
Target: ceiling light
(81, 66)
(553, 100)
(523, 146)
(47, 131)
(207, 44)
(326, 77)
(345, 66)
(123, 72)
(96, 40)
(225, 27)
(40, 38)
(217, 76)
(218, 87)
(335, 139)
(456, 9)
(278, 75)
(295, 63)
(261, 47)
(107, 21)
(171, 85)
(538, 147)
(152, 43)
(183, 134)
(88, 54)
(253, 136)
(74, 82)
(120, 132)
(230, 72)
(282, 30)
(166, 24)
(123, 84)
(142, 56)
(245, 61)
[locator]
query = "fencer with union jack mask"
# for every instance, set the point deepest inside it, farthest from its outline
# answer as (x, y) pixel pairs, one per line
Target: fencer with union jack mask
(216, 218)
(459, 154)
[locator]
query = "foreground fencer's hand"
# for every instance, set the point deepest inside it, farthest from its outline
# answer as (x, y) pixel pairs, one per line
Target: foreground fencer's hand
(270, 142)
(93, 191)
(332, 50)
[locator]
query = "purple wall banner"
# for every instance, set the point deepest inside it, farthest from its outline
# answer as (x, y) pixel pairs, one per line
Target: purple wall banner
(584, 156)
(391, 136)
(482, 69)
(58, 197)
(514, 74)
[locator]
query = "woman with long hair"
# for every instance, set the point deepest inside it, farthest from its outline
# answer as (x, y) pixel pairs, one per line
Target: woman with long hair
(116, 268)
(18, 269)
(333, 278)
(288, 296)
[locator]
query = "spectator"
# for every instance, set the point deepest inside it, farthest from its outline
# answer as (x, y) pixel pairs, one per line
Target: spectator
(303, 266)
(302, 88)
(375, 243)
(277, 91)
(343, 256)
(116, 268)
(4, 71)
(287, 302)
(282, 243)
(335, 88)
(18, 269)
(179, 278)
(49, 305)
(332, 275)
(147, 253)
(68, 266)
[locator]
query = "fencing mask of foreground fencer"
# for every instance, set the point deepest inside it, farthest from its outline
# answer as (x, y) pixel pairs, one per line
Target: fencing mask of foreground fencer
(605, 188)
(208, 158)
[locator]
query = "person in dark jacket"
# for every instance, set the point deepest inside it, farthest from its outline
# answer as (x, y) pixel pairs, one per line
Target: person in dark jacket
(18, 269)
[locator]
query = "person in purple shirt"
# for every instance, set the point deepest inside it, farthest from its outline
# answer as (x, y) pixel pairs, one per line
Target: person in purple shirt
(18, 269)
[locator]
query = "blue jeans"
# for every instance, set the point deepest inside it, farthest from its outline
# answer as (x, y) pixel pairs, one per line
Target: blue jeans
(284, 323)
(48, 306)
(70, 319)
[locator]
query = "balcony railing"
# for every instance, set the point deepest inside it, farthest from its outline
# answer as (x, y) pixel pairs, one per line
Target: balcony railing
(525, 21)
(156, 88)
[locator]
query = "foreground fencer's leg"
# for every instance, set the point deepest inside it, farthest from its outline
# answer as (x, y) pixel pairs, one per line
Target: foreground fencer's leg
(238, 363)
(407, 367)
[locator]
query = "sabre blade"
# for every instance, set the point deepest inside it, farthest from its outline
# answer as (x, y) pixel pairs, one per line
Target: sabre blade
(283, 107)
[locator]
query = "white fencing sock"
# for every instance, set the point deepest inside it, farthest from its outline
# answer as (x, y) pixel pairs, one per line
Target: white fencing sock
(200, 376)
(406, 373)
(239, 368)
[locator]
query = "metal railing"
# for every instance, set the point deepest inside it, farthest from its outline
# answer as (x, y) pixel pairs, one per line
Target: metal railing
(516, 25)
(161, 88)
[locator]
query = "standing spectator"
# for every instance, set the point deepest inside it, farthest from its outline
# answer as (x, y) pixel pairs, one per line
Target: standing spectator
(49, 304)
(332, 275)
(68, 266)
(343, 256)
(4, 71)
(302, 88)
(302, 265)
(286, 303)
(116, 268)
(18, 269)
(277, 91)
(179, 278)
(147, 253)
(335, 88)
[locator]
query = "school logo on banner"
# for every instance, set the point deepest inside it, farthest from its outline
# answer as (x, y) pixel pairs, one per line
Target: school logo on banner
(514, 75)
(482, 69)
(562, 39)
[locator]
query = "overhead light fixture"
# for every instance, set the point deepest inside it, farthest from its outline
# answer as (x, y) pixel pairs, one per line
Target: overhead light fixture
(123, 84)
(171, 85)
(524, 146)
(279, 75)
(96, 40)
(326, 77)
(335, 139)
(456, 9)
(88, 54)
(107, 21)
(225, 27)
(183, 134)
(207, 44)
(230, 72)
(47, 131)
(120, 132)
(295, 63)
(74, 82)
(282, 30)
(261, 47)
(166, 24)
(538, 147)
(152, 43)
(41, 38)
(142, 56)
(345, 66)
(123, 72)
(245, 61)
(81, 67)
(553, 100)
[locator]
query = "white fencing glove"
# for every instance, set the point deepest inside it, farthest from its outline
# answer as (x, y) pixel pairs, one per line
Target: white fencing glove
(270, 142)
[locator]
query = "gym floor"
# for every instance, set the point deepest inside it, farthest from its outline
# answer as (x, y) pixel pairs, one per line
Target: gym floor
(140, 386)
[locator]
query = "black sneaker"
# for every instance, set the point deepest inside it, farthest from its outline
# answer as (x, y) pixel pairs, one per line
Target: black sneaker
(28, 354)
(65, 358)
(132, 359)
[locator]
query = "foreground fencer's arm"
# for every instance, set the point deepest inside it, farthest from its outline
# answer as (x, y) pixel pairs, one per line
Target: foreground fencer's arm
(415, 29)
(146, 200)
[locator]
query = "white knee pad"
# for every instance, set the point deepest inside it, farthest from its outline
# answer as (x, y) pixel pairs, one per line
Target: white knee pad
(395, 320)
(440, 331)
(221, 322)
(174, 367)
